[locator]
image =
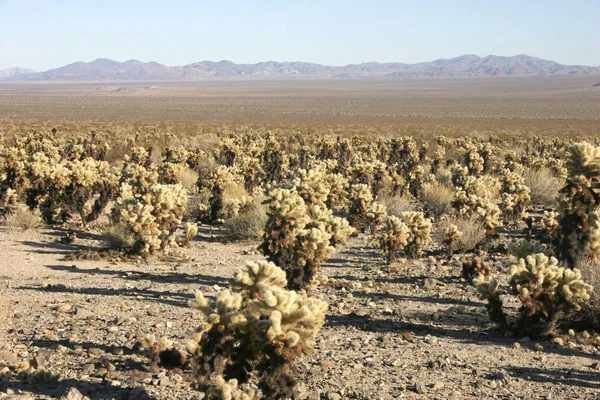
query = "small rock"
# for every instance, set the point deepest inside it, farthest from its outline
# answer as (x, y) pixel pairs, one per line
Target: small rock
(517, 345)
(524, 339)
(88, 368)
(74, 394)
(430, 339)
(538, 347)
(164, 381)
(437, 386)
(420, 387)
(333, 396)
(407, 336)
(430, 283)
(113, 329)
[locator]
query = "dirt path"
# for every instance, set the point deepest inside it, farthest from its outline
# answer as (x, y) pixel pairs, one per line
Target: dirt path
(419, 333)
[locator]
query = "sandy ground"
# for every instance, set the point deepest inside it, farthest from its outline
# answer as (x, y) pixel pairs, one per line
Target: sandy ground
(418, 333)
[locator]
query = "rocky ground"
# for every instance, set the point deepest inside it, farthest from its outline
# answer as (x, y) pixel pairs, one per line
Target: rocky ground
(417, 331)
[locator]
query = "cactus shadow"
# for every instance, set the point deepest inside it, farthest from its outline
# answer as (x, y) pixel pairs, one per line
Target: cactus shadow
(99, 391)
(54, 247)
(562, 376)
(164, 297)
(137, 275)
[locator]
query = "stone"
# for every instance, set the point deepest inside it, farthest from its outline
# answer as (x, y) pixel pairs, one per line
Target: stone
(88, 368)
(74, 394)
(407, 336)
(420, 387)
(334, 396)
(437, 386)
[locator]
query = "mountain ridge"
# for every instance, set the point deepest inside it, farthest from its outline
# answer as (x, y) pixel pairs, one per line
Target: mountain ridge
(465, 66)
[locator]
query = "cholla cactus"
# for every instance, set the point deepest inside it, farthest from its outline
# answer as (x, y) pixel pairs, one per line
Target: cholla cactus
(490, 290)
(191, 230)
(474, 267)
(255, 321)
(375, 216)
(393, 238)
(150, 220)
(324, 220)
(290, 241)
(62, 188)
(452, 236)
(338, 191)
(473, 161)
(550, 226)
(361, 199)
(230, 390)
(547, 292)
(515, 195)
(579, 219)
(420, 229)
(439, 156)
(312, 186)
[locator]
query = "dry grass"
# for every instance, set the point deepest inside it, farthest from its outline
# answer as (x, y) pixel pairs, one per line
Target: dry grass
(247, 226)
(188, 178)
(24, 219)
(589, 316)
(473, 232)
(437, 199)
(544, 186)
(116, 237)
(396, 205)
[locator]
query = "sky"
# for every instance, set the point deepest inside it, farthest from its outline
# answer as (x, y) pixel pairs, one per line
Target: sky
(44, 34)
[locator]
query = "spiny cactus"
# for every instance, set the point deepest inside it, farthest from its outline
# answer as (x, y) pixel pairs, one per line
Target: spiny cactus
(474, 267)
(393, 238)
(452, 236)
(515, 195)
(375, 216)
(578, 220)
(546, 291)
(254, 333)
(361, 199)
(291, 241)
(420, 229)
(150, 220)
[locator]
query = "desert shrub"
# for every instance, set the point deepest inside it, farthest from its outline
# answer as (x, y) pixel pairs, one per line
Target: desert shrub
(546, 291)
(24, 219)
(149, 221)
(543, 185)
(472, 229)
(248, 225)
(589, 315)
(253, 334)
(398, 204)
(437, 199)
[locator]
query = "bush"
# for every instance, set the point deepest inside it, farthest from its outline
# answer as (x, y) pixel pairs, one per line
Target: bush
(396, 205)
(472, 229)
(23, 219)
(437, 199)
(544, 186)
(253, 334)
(248, 225)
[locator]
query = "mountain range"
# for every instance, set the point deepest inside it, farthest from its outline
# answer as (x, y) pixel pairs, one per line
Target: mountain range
(467, 66)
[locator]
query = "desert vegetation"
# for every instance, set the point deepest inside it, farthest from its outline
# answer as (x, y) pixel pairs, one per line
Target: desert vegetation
(289, 255)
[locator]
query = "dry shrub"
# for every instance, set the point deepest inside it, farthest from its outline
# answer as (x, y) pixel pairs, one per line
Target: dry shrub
(116, 237)
(24, 219)
(396, 205)
(589, 315)
(472, 228)
(188, 178)
(437, 199)
(444, 176)
(544, 186)
(247, 226)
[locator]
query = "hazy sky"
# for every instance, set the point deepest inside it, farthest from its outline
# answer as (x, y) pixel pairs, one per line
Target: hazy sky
(43, 34)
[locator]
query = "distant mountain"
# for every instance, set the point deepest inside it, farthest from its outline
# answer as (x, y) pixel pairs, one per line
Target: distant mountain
(467, 66)
(10, 72)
